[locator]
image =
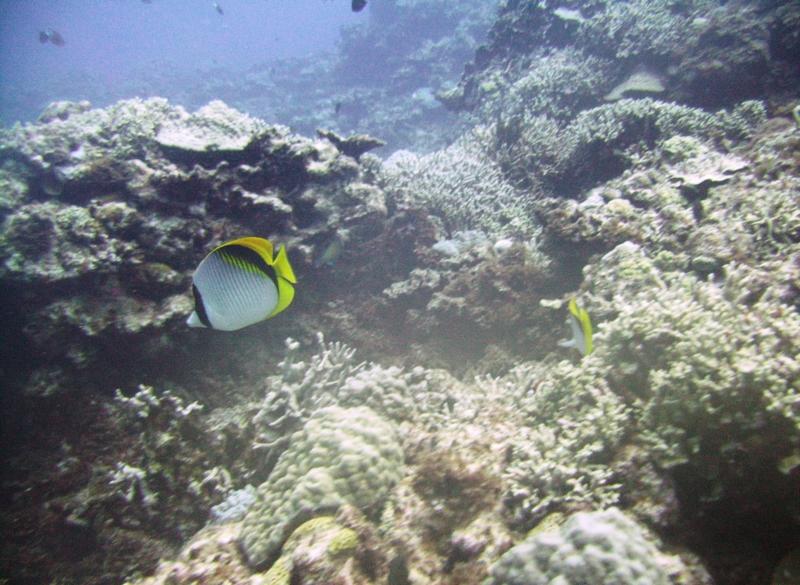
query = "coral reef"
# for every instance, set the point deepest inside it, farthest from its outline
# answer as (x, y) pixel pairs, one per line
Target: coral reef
(567, 465)
(595, 547)
(462, 186)
(596, 145)
(381, 79)
(339, 456)
(710, 53)
(435, 433)
(117, 211)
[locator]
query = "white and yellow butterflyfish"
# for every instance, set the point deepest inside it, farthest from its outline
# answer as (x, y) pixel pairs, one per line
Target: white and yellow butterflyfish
(581, 328)
(241, 283)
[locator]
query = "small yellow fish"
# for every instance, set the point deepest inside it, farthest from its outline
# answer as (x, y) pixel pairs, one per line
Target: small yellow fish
(581, 328)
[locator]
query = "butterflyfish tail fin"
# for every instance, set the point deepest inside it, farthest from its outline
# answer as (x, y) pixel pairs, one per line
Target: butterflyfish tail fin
(282, 266)
(285, 295)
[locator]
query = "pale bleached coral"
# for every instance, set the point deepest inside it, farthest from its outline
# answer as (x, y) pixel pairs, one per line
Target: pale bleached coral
(461, 185)
(603, 548)
(568, 464)
(214, 127)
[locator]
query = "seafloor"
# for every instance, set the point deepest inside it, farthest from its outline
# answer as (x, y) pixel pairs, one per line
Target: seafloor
(411, 418)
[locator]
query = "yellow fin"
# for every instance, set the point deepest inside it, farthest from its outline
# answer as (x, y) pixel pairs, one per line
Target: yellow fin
(261, 246)
(282, 266)
(582, 315)
(285, 296)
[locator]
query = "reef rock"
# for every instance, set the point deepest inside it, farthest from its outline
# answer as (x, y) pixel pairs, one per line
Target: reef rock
(213, 128)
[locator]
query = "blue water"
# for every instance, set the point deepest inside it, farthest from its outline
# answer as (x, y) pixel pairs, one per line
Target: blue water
(118, 45)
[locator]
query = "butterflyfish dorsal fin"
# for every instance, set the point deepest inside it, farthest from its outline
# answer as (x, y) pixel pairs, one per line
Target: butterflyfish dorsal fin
(261, 246)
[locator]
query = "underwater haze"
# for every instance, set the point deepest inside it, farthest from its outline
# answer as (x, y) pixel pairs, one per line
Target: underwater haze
(400, 292)
(112, 46)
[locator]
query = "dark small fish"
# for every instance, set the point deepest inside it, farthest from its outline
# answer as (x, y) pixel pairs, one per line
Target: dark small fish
(52, 36)
(147, 1)
(337, 107)
(358, 5)
(218, 8)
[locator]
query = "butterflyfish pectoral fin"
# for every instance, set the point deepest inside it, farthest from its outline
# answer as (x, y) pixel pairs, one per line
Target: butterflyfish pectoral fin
(194, 320)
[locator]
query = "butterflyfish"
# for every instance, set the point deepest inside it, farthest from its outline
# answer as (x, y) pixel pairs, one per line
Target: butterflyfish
(581, 327)
(241, 283)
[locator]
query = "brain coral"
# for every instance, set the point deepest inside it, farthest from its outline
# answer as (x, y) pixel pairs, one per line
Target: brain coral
(339, 456)
(591, 547)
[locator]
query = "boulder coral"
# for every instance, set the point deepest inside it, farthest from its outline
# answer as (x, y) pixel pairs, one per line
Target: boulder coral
(340, 456)
(606, 548)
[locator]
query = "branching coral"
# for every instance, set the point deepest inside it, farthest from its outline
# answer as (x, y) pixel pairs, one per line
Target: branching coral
(462, 186)
(560, 465)
(586, 145)
(556, 85)
(711, 374)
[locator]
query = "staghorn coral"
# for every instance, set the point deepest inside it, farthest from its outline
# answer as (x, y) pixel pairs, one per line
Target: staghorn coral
(339, 456)
(462, 186)
(333, 377)
(592, 547)
(292, 395)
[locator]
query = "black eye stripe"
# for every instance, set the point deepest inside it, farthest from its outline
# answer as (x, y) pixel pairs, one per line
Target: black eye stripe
(200, 307)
